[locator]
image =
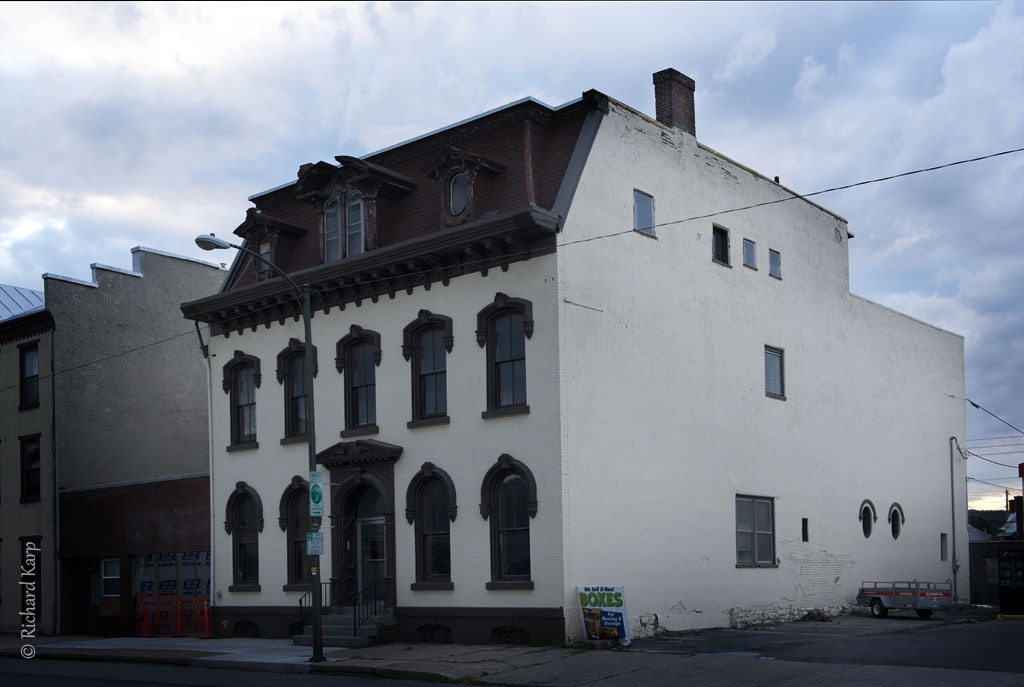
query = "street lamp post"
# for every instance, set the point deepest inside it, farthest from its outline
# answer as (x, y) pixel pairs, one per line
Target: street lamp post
(211, 242)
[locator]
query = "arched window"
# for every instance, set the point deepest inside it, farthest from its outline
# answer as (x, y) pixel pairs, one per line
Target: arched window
(503, 327)
(508, 497)
(430, 506)
(426, 341)
(354, 225)
(867, 517)
(896, 520)
(241, 378)
(295, 521)
(244, 522)
(358, 357)
(291, 372)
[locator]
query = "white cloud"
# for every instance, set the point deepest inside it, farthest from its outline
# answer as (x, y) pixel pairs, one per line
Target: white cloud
(811, 74)
(747, 54)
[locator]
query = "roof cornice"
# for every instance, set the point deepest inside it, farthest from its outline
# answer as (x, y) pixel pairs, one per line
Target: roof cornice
(487, 243)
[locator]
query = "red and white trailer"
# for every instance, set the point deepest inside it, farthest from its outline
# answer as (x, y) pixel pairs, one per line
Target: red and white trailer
(923, 597)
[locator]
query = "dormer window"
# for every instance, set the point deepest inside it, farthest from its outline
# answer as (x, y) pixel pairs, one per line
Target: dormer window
(332, 230)
(262, 267)
(352, 229)
(354, 225)
(458, 194)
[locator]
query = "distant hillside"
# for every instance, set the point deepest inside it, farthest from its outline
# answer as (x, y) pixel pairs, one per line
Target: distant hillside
(987, 520)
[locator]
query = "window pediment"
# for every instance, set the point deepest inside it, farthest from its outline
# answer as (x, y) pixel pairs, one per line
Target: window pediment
(503, 303)
(231, 517)
(425, 319)
(298, 484)
(240, 359)
(357, 334)
(294, 347)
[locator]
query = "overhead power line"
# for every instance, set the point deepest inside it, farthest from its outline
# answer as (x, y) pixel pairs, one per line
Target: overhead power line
(797, 196)
(991, 484)
(995, 416)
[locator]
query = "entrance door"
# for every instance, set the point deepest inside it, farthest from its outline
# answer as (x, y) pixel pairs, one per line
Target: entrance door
(371, 533)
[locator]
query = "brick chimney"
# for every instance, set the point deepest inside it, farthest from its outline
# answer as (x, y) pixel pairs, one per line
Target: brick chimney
(673, 100)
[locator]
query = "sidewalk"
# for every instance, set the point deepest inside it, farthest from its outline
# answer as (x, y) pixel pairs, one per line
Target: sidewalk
(711, 654)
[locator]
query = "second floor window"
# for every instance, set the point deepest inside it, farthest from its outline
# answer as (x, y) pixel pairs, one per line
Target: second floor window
(362, 395)
(358, 358)
(503, 327)
(295, 396)
(243, 405)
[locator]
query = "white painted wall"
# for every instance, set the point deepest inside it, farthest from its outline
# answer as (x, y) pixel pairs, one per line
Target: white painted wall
(465, 449)
(664, 414)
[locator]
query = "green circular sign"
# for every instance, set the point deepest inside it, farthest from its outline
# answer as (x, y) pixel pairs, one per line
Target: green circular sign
(316, 494)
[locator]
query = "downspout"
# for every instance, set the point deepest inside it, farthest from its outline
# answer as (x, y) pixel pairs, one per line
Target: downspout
(209, 450)
(56, 481)
(952, 505)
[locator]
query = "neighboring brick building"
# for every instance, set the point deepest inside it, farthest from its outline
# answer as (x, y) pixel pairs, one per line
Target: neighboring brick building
(534, 372)
(119, 431)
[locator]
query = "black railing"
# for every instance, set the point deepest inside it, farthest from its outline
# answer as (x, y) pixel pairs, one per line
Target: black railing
(368, 602)
(306, 603)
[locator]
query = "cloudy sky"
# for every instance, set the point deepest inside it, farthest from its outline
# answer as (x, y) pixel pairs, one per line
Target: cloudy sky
(125, 124)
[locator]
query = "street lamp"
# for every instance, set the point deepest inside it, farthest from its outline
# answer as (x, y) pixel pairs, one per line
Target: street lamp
(211, 242)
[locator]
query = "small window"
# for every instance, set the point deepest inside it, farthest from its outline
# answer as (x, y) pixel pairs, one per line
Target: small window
(804, 531)
(458, 194)
(29, 375)
(720, 245)
(110, 569)
(774, 382)
(30, 473)
(431, 385)
(894, 526)
(943, 546)
(749, 257)
(755, 532)
(775, 264)
(866, 521)
(643, 213)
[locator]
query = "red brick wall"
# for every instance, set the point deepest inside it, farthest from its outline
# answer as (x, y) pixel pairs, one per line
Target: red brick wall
(155, 517)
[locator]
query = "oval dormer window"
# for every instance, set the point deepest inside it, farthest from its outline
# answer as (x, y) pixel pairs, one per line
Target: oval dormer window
(458, 195)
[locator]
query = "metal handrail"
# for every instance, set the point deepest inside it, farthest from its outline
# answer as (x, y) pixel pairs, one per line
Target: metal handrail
(306, 603)
(367, 602)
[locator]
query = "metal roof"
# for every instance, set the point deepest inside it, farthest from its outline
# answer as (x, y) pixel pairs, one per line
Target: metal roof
(16, 301)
